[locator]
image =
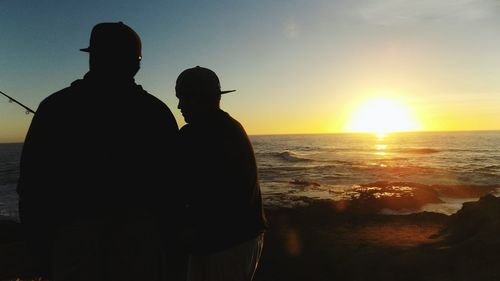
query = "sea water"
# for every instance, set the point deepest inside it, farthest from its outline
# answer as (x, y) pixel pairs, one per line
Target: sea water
(9, 173)
(341, 166)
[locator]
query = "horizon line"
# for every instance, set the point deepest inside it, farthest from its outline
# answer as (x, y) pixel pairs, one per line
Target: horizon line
(396, 132)
(346, 133)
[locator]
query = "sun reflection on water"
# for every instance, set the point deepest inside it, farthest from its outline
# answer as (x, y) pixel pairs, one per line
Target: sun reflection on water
(380, 136)
(380, 149)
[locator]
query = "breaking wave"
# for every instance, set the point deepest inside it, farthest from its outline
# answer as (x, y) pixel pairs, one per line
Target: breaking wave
(291, 157)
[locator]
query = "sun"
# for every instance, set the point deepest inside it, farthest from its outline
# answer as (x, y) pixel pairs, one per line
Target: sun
(383, 115)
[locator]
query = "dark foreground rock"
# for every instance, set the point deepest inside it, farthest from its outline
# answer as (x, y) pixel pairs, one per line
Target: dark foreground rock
(476, 222)
(323, 242)
(342, 241)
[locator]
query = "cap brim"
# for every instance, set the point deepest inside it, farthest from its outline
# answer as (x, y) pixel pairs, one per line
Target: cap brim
(85, 50)
(226, 92)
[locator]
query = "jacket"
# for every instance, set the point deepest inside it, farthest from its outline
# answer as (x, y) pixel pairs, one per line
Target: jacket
(221, 182)
(94, 149)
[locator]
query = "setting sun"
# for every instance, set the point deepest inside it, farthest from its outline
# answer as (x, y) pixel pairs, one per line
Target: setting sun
(382, 116)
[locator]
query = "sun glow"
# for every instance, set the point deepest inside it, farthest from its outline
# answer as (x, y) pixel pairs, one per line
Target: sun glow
(382, 116)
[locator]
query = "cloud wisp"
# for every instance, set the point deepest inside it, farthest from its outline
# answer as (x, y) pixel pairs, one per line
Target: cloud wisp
(389, 12)
(291, 29)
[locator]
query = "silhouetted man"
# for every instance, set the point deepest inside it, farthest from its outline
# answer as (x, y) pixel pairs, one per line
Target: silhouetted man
(220, 175)
(94, 166)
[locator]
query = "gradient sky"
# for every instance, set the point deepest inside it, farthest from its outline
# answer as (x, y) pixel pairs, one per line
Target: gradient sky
(298, 66)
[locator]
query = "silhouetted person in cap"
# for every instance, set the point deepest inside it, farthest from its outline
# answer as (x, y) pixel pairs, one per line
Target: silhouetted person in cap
(221, 182)
(94, 168)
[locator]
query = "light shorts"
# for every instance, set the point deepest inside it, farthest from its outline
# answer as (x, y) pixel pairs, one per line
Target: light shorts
(234, 264)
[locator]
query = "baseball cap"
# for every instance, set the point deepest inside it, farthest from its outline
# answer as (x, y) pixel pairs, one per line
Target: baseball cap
(114, 37)
(199, 80)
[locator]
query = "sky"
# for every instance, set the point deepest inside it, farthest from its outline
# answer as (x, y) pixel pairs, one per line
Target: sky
(299, 66)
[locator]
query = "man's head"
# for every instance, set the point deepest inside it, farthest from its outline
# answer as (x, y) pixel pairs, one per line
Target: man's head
(115, 50)
(199, 93)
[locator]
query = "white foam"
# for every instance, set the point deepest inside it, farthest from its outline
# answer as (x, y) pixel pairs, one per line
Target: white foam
(449, 206)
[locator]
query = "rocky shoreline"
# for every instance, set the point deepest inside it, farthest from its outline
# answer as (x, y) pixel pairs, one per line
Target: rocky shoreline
(325, 240)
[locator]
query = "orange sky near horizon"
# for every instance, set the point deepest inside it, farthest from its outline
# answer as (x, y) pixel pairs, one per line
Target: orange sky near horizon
(457, 116)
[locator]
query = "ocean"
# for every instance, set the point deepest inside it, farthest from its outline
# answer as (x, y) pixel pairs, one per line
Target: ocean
(295, 169)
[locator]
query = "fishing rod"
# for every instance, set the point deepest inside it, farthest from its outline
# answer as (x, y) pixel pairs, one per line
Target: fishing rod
(11, 99)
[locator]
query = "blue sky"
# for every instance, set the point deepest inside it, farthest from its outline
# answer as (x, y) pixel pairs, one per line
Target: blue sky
(299, 66)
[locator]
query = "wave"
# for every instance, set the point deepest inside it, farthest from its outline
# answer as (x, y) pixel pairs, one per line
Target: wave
(475, 150)
(393, 159)
(285, 169)
(291, 157)
(419, 151)
(489, 169)
(304, 183)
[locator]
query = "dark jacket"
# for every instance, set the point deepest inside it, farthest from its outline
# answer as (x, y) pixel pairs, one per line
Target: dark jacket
(93, 150)
(221, 180)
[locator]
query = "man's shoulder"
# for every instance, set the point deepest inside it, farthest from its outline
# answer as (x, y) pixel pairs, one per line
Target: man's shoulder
(152, 100)
(154, 109)
(62, 96)
(154, 105)
(186, 129)
(232, 124)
